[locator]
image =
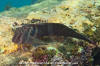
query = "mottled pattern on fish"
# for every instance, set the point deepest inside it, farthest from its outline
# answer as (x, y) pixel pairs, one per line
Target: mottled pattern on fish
(28, 32)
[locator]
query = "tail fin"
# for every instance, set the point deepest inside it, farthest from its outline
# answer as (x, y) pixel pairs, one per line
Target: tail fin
(83, 37)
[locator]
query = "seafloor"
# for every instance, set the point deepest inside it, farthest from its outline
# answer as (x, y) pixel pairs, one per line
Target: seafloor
(81, 15)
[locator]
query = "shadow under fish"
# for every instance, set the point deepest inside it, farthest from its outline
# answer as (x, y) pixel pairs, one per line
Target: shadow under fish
(96, 56)
(28, 33)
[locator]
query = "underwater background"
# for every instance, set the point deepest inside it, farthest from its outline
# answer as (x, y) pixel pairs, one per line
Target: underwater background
(83, 16)
(14, 3)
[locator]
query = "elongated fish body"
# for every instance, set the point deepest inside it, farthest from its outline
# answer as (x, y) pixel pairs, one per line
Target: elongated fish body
(28, 32)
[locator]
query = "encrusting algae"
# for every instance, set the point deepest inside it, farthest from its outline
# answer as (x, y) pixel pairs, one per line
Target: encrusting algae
(42, 54)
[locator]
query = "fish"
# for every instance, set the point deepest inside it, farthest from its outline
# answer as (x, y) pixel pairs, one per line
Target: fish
(8, 6)
(27, 33)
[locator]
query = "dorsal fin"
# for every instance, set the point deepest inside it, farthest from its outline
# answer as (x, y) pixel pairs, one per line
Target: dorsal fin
(37, 21)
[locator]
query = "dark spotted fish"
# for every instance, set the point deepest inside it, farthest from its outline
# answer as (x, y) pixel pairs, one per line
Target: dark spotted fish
(28, 32)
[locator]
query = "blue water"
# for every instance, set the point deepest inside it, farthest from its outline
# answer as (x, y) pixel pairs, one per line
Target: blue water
(15, 3)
